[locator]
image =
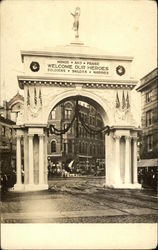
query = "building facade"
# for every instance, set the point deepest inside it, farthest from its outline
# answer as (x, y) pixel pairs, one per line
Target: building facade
(8, 117)
(7, 145)
(149, 137)
(86, 150)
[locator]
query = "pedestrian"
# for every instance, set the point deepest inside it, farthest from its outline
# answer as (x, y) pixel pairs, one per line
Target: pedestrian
(4, 183)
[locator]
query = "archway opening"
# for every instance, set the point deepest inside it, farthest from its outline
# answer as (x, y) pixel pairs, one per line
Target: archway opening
(80, 150)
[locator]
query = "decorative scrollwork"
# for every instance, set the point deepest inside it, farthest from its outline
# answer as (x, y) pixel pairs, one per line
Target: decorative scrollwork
(34, 111)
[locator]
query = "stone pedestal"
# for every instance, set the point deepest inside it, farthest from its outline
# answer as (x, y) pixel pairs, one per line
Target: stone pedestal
(34, 177)
(18, 188)
(37, 187)
(121, 168)
(124, 186)
(29, 187)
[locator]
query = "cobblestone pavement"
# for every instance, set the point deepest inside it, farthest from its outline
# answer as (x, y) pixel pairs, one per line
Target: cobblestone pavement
(80, 200)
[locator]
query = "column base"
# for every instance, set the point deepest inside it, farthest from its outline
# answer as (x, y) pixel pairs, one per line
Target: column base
(18, 188)
(124, 186)
(28, 187)
(36, 187)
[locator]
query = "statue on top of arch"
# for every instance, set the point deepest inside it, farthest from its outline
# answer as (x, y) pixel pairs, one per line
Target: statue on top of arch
(76, 16)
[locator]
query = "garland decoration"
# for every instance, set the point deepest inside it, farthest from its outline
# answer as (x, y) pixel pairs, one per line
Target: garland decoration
(53, 130)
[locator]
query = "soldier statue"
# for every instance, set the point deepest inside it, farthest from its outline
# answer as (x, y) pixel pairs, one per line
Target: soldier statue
(76, 16)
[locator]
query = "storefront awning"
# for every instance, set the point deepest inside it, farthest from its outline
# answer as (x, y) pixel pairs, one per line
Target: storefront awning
(148, 162)
(55, 155)
(85, 156)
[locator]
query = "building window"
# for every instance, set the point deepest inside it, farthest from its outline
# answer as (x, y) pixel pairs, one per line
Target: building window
(85, 118)
(82, 132)
(93, 120)
(53, 146)
(90, 149)
(98, 152)
(148, 96)
(93, 149)
(3, 131)
(86, 133)
(66, 125)
(149, 118)
(85, 148)
(100, 149)
(70, 146)
(90, 120)
(79, 132)
(64, 147)
(10, 132)
(150, 142)
(79, 147)
(68, 113)
(53, 114)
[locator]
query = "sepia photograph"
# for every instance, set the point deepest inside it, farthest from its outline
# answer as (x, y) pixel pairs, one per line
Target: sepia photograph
(79, 124)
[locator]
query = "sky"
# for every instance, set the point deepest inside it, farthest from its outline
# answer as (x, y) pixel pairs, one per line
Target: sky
(124, 27)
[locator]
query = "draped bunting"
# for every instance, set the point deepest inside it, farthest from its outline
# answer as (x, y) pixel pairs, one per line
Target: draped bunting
(78, 117)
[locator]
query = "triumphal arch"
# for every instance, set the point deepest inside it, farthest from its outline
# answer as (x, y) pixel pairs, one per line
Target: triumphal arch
(79, 72)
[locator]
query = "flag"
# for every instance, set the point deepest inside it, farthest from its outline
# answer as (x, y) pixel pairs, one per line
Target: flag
(35, 96)
(123, 101)
(28, 97)
(40, 97)
(117, 101)
(127, 101)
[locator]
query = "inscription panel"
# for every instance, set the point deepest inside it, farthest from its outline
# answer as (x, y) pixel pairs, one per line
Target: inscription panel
(80, 67)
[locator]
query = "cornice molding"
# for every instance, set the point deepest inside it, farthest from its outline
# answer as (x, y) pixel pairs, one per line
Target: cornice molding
(72, 83)
(131, 128)
(73, 55)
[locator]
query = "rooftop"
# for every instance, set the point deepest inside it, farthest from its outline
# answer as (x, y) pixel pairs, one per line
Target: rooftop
(6, 121)
(148, 79)
(75, 49)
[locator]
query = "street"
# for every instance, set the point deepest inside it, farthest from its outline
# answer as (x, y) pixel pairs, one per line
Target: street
(80, 200)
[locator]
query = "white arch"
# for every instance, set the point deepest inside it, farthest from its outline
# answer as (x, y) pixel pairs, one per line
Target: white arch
(103, 107)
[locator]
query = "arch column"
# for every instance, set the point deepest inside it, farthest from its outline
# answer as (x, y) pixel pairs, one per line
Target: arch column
(41, 159)
(31, 171)
(18, 186)
(117, 159)
(135, 170)
(127, 159)
(25, 159)
(18, 160)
